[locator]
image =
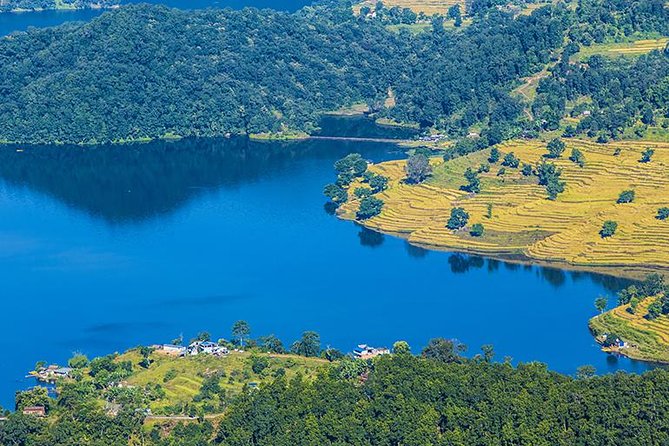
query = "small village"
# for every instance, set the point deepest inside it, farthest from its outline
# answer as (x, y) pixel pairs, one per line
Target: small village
(52, 373)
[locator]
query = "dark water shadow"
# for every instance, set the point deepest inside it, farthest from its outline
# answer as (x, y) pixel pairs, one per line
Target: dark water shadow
(416, 252)
(370, 238)
(128, 184)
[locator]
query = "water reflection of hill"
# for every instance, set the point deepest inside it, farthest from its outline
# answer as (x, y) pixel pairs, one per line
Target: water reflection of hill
(131, 183)
(463, 263)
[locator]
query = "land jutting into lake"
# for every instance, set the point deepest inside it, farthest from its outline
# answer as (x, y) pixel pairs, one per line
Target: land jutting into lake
(520, 221)
(572, 203)
(220, 393)
(543, 137)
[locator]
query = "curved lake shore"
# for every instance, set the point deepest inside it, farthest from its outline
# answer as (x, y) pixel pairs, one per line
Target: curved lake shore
(113, 247)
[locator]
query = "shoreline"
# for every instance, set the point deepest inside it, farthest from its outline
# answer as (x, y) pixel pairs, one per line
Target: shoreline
(637, 337)
(25, 11)
(615, 271)
(254, 138)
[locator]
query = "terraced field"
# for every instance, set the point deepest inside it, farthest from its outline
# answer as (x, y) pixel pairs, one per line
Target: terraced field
(525, 225)
(190, 371)
(428, 7)
(628, 49)
(647, 339)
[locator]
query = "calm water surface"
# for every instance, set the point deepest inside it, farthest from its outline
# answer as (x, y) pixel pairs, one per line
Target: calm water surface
(105, 248)
(10, 22)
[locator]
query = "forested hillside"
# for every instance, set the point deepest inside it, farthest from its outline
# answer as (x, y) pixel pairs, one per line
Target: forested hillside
(149, 72)
(437, 399)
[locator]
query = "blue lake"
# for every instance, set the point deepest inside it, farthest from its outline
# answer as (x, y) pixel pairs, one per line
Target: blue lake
(105, 248)
(10, 22)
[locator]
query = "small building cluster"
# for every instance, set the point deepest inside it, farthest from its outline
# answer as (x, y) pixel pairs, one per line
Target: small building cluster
(608, 341)
(52, 373)
(433, 138)
(195, 348)
(37, 411)
(365, 351)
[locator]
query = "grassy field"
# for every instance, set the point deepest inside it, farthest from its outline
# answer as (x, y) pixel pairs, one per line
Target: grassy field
(428, 7)
(413, 28)
(648, 339)
(629, 49)
(525, 225)
(189, 373)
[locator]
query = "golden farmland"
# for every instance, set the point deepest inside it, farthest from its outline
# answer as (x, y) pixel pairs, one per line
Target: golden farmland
(428, 7)
(635, 48)
(647, 339)
(525, 225)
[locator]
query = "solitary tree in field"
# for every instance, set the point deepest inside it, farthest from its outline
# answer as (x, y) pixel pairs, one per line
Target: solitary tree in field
(473, 181)
(646, 155)
(477, 230)
(418, 168)
(626, 196)
(494, 155)
(577, 157)
(555, 148)
(511, 160)
(662, 213)
(608, 228)
(458, 219)
(600, 304)
(240, 331)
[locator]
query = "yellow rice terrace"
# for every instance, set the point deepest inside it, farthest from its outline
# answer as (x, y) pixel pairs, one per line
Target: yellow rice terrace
(571, 202)
(638, 328)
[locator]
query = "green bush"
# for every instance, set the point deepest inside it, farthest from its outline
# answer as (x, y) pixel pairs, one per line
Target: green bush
(662, 213)
(555, 148)
(608, 228)
(511, 160)
(369, 207)
(458, 219)
(626, 196)
(477, 230)
(362, 192)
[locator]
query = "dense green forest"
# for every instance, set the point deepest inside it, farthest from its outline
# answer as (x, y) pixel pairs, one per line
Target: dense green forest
(149, 72)
(14, 5)
(438, 398)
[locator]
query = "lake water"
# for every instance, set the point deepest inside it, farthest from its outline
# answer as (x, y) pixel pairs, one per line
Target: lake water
(10, 22)
(106, 248)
